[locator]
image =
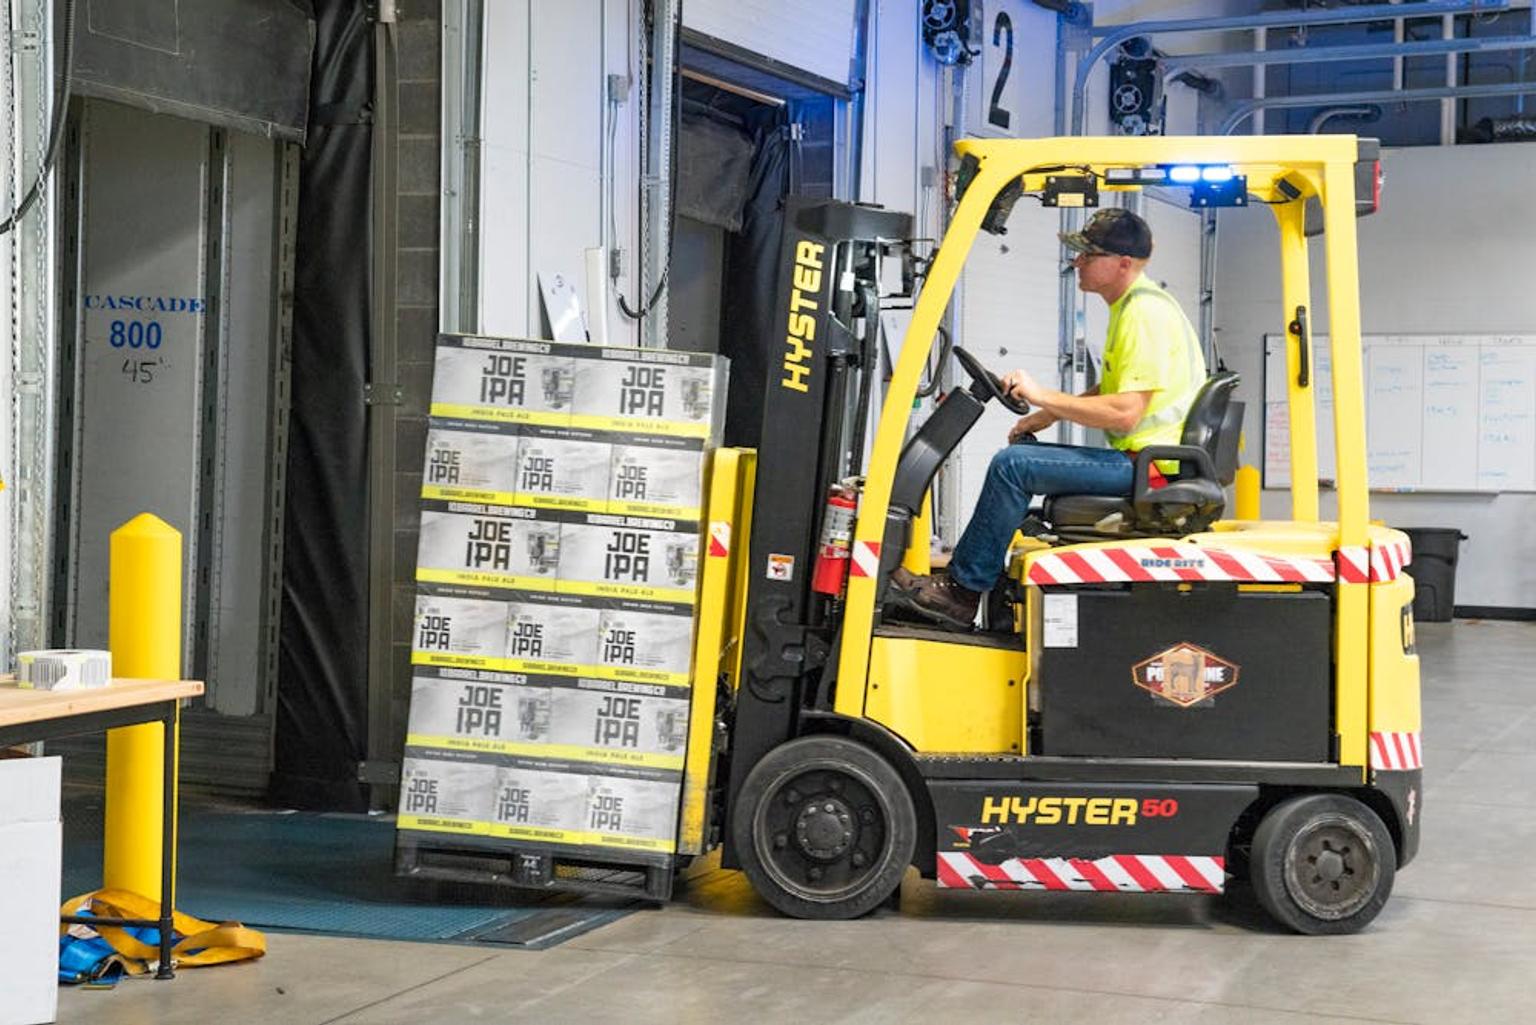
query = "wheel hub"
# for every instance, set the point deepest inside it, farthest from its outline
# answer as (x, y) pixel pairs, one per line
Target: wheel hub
(824, 828)
(1330, 866)
(1333, 869)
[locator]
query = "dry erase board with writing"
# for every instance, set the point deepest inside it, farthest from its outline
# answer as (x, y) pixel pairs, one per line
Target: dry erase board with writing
(1442, 412)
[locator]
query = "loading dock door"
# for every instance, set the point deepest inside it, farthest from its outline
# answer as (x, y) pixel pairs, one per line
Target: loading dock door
(169, 370)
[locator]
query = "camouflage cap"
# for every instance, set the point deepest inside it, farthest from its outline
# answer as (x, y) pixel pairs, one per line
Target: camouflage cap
(1113, 231)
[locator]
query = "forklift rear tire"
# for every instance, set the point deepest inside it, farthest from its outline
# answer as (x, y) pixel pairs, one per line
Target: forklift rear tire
(824, 828)
(1323, 864)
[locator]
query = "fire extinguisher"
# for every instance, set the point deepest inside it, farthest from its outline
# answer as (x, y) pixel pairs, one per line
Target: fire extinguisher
(832, 549)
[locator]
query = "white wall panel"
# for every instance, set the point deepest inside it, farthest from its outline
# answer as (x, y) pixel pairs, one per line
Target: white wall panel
(543, 125)
(1425, 266)
(505, 279)
(505, 76)
(504, 276)
(562, 222)
(896, 139)
(813, 35)
(235, 642)
(566, 86)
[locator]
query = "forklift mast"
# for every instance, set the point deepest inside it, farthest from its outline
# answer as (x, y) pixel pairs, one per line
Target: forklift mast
(818, 395)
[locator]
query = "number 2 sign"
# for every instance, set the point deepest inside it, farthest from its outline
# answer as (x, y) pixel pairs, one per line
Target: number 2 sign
(1014, 96)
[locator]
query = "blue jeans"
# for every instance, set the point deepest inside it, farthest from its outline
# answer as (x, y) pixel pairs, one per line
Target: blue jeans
(1017, 473)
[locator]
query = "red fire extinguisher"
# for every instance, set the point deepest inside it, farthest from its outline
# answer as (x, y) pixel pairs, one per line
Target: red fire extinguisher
(832, 549)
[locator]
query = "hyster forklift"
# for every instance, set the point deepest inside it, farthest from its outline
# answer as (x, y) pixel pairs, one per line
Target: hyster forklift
(1164, 699)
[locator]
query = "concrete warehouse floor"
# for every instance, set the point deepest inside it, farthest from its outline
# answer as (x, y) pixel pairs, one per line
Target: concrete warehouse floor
(1457, 942)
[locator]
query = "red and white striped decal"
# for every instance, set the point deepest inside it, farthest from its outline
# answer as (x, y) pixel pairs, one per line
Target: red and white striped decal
(1118, 873)
(1393, 556)
(1375, 563)
(719, 539)
(866, 558)
(1396, 751)
(1174, 562)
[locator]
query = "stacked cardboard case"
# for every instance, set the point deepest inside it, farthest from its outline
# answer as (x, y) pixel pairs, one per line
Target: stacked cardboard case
(556, 581)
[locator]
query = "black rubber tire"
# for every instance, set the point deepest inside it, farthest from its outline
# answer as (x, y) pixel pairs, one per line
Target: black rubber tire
(824, 790)
(1323, 864)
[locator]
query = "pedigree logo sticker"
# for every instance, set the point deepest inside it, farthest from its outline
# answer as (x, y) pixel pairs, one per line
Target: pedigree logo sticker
(1185, 675)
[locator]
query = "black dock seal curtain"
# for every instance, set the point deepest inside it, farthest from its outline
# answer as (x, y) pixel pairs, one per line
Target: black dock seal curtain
(751, 325)
(322, 689)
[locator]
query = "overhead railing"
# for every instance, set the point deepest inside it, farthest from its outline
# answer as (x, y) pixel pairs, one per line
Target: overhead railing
(1178, 65)
(1109, 37)
(1247, 108)
(1114, 35)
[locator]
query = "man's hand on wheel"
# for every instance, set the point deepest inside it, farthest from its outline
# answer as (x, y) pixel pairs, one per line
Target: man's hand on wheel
(1020, 385)
(1034, 423)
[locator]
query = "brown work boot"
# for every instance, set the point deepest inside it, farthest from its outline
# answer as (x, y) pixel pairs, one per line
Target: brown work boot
(937, 598)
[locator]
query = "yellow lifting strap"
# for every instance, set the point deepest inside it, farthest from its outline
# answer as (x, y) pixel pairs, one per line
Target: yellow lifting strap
(201, 943)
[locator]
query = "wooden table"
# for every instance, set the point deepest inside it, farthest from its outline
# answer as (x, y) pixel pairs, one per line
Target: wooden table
(29, 716)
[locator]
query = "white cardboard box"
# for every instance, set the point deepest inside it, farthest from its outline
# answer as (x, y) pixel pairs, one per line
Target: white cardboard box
(30, 850)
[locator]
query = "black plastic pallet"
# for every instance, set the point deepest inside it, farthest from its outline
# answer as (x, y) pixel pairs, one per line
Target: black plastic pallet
(530, 867)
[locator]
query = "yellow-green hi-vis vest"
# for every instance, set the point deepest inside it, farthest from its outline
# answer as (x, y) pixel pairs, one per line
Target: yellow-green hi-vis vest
(1151, 346)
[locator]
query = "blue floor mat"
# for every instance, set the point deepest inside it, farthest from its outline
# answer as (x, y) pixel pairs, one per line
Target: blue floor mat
(330, 874)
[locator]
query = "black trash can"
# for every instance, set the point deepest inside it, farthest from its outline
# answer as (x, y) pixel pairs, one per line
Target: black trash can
(1434, 571)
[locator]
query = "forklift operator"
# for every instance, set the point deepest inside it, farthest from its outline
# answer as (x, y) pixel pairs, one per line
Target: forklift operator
(1153, 367)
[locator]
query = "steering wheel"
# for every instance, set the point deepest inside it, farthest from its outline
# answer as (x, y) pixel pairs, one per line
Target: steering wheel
(987, 385)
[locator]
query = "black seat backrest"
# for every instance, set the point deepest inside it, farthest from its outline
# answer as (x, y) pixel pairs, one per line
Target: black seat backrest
(1215, 423)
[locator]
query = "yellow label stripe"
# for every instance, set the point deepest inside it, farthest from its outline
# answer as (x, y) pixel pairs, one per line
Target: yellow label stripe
(628, 425)
(639, 591)
(484, 578)
(452, 661)
(492, 664)
(535, 834)
(558, 752)
(510, 581)
(452, 494)
(500, 414)
(533, 500)
(670, 512)
(670, 428)
(528, 500)
(441, 824)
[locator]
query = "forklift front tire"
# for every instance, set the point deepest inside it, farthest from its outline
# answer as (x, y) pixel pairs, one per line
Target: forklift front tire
(1323, 864)
(824, 828)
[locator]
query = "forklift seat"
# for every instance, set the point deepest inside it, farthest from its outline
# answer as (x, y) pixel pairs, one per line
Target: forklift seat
(1192, 499)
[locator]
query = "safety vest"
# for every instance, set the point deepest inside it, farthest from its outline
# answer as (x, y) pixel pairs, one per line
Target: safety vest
(1151, 346)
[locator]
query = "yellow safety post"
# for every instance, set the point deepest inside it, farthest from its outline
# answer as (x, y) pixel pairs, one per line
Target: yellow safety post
(1246, 487)
(144, 603)
(916, 557)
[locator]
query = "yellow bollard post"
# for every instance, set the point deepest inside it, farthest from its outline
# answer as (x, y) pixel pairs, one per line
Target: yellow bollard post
(1246, 487)
(144, 605)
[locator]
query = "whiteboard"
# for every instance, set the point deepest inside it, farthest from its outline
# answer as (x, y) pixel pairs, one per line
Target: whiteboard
(1442, 412)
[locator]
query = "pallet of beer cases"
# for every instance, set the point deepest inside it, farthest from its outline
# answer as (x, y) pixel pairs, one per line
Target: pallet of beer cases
(553, 637)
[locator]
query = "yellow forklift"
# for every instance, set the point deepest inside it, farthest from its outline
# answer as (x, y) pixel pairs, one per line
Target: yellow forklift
(1166, 698)
(1161, 700)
